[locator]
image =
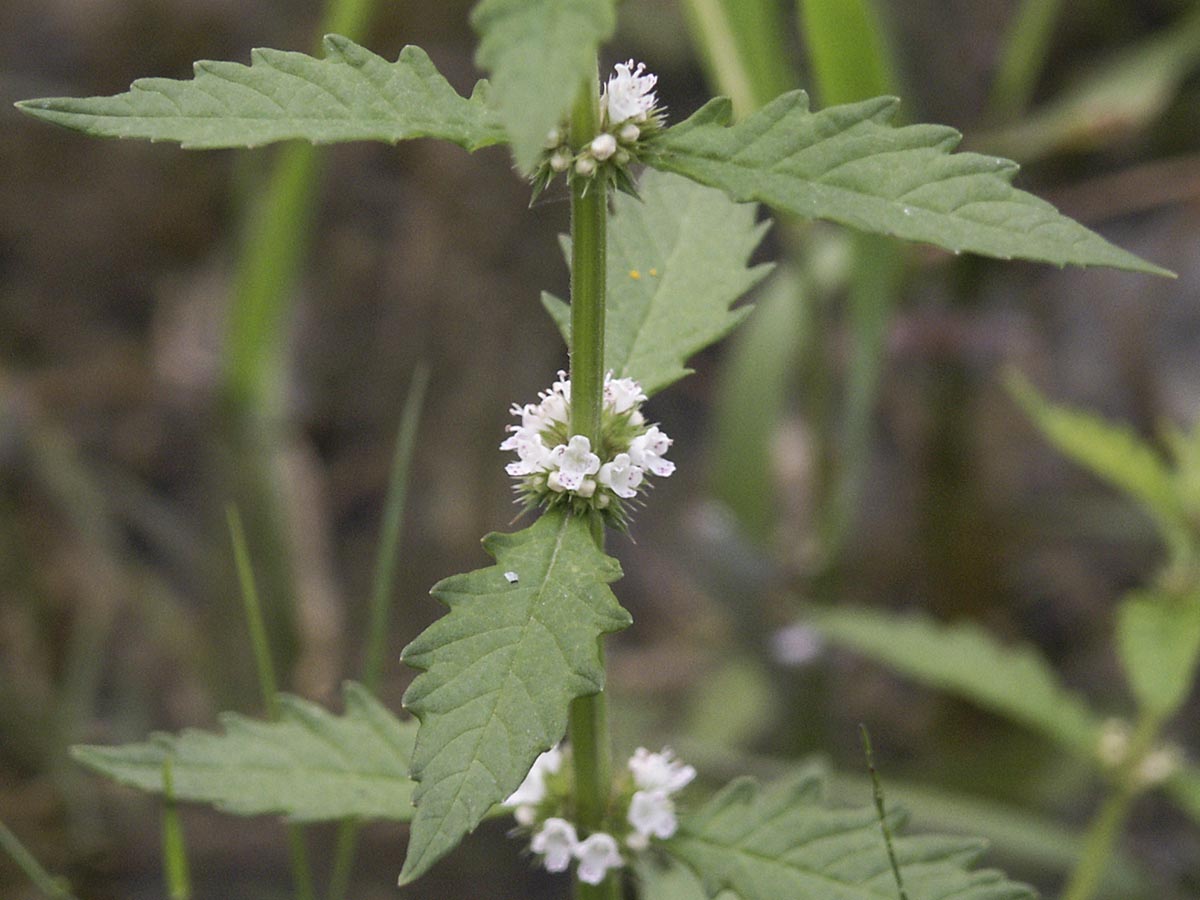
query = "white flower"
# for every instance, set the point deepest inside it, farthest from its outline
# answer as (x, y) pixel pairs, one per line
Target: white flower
(557, 842)
(652, 813)
(629, 94)
(659, 771)
(585, 166)
(603, 146)
(620, 476)
(534, 455)
(647, 450)
(575, 461)
(597, 853)
(622, 394)
(533, 789)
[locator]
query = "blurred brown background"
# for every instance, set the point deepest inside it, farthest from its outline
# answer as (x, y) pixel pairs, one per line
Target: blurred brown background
(118, 611)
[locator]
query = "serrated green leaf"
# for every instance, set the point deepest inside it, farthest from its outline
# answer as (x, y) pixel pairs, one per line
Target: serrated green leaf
(1158, 639)
(1015, 682)
(310, 765)
(350, 95)
(540, 54)
(500, 670)
(781, 841)
(1111, 452)
(849, 165)
(676, 263)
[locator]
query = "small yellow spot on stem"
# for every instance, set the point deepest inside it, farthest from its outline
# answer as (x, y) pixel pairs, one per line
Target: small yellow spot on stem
(635, 274)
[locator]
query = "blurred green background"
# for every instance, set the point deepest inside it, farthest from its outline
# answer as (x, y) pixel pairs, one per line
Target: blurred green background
(832, 452)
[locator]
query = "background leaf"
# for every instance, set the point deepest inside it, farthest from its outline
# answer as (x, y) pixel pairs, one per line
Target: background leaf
(310, 765)
(351, 95)
(500, 670)
(848, 165)
(1158, 639)
(676, 263)
(780, 841)
(540, 53)
(1015, 682)
(1113, 453)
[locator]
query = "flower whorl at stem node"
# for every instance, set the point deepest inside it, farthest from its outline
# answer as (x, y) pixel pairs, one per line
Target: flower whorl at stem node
(630, 118)
(554, 467)
(642, 809)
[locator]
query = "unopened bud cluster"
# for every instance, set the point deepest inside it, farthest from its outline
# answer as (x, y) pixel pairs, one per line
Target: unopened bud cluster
(629, 116)
(1153, 768)
(644, 809)
(555, 467)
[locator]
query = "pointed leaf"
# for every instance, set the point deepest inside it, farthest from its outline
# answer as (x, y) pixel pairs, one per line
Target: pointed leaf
(676, 263)
(310, 765)
(1113, 453)
(847, 164)
(500, 670)
(540, 53)
(965, 660)
(351, 95)
(781, 841)
(1158, 639)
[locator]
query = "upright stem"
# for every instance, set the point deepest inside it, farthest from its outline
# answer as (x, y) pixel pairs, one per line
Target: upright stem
(1106, 826)
(588, 723)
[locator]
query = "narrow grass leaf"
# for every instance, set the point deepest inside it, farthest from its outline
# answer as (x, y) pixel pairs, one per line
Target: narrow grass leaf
(540, 54)
(350, 95)
(963, 659)
(848, 164)
(309, 766)
(764, 843)
(676, 264)
(499, 672)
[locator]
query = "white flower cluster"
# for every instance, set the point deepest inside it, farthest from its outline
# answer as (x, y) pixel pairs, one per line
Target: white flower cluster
(655, 778)
(554, 466)
(629, 113)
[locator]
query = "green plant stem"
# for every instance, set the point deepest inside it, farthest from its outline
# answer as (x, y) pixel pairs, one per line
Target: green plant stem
(301, 871)
(1106, 826)
(588, 718)
(27, 863)
(714, 34)
(175, 861)
(381, 592)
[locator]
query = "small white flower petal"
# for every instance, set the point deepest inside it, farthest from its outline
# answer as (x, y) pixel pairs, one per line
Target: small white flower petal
(620, 476)
(533, 789)
(597, 853)
(659, 771)
(652, 813)
(556, 841)
(629, 94)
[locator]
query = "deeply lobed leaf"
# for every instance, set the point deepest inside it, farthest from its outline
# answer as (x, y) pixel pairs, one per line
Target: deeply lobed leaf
(310, 765)
(849, 165)
(782, 841)
(965, 660)
(676, 263)
(350, 95)
(540, 53)
(500, 670)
